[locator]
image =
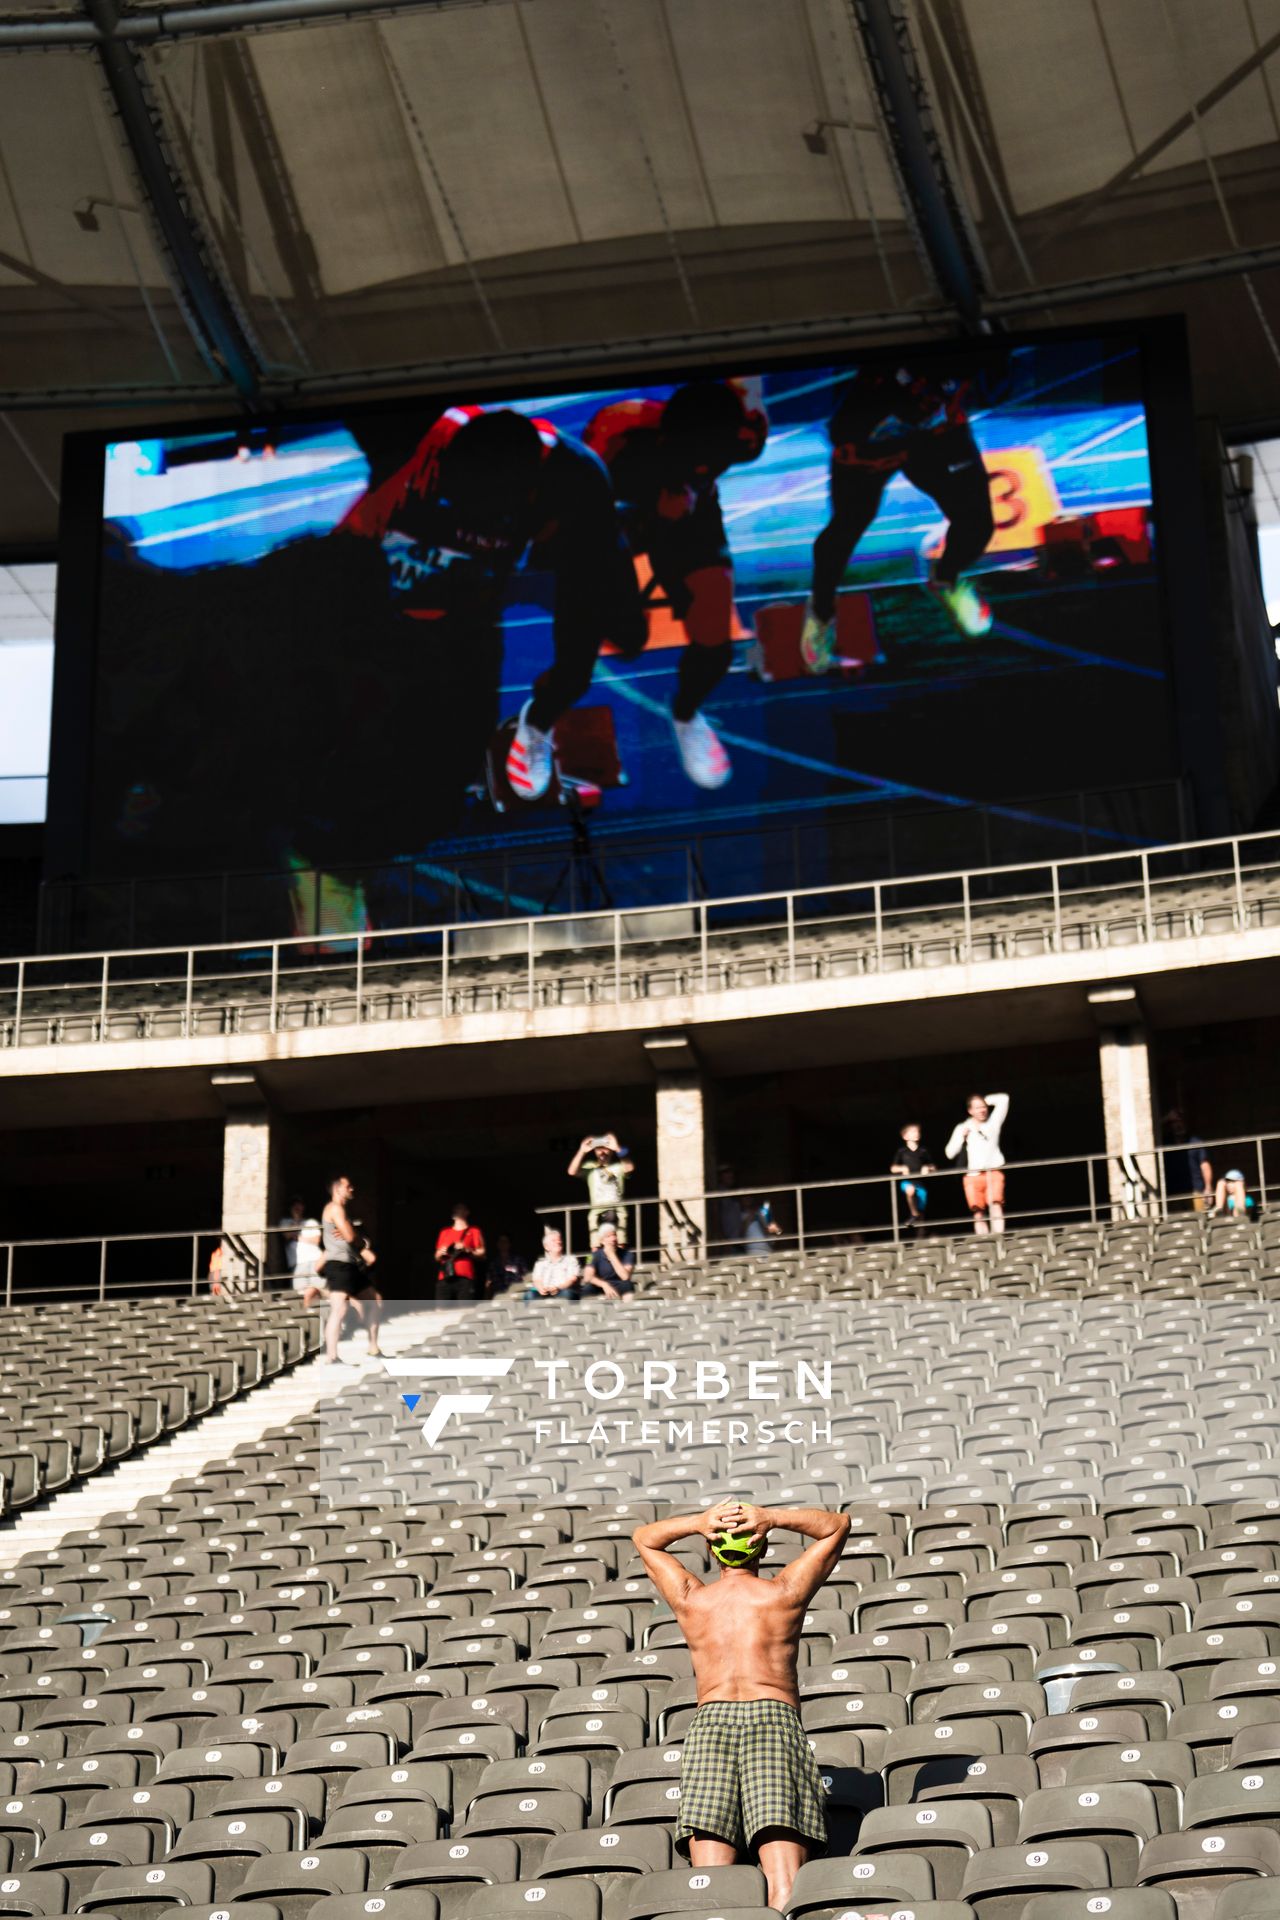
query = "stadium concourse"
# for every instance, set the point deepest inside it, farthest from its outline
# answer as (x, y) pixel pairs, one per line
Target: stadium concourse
(355, 1644)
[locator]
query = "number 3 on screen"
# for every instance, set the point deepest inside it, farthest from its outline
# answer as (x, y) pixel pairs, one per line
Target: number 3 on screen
(1023, 496)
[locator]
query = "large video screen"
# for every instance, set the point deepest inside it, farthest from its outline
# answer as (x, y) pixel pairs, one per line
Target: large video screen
(918, 574)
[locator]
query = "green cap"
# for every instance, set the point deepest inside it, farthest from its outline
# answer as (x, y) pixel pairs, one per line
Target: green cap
(736, 1549)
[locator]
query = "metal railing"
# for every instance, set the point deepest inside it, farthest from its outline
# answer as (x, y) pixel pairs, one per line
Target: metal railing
(463, 881)
(811, 1216)
(873, 1209)
(975, 917)
(101, 1266)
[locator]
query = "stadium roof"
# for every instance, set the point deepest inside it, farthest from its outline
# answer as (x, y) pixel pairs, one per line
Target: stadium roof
(219, 206)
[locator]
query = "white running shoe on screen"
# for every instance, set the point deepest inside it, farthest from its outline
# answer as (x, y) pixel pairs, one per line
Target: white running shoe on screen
(529, 759)
(701, 753)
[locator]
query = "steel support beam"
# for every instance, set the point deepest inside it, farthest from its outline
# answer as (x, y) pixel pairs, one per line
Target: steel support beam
(1098, 198)
(72, 295)
(932, 198)
(210, 313)
(538, 363)
(675, 349)
(192, 22)
(1114, 286)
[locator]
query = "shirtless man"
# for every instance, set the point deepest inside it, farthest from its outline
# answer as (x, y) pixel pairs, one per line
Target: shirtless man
(748, 1776)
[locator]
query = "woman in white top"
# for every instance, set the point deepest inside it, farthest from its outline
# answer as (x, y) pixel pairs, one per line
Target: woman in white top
(979, 1136)
(307, 1278)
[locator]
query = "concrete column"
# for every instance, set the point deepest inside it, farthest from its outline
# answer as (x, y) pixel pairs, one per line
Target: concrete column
(1133, 1179)
(248, 1185)
(683, 1151)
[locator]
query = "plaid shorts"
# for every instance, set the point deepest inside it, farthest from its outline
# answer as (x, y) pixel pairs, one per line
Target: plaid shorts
(748, 1765)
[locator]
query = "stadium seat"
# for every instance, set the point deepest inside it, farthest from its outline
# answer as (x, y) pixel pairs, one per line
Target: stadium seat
(1195, 1867)
(900, 1877)
(414, 1904)
(999, 1882)
(1075, 1687)
(294, 1882)
(709, 1890)
(1116, 1903)
(945, 1835)
(1121, 1816)
(35, 1893)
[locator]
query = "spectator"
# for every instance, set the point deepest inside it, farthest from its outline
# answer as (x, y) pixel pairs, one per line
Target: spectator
(729, 1216)
(911, 1160)
(979, 1138)
(610, 1268)
(308, 1263)
(216, 1259)
(556, 1275)
(1187, 1166)
(604, 1165)
(459, 1251)
(506, 1269)
(287, 1237)
(758, 1226)
(1232, 1197)
(347, 1260)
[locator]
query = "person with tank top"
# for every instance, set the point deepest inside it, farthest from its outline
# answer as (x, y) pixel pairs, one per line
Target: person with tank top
(348, 1258)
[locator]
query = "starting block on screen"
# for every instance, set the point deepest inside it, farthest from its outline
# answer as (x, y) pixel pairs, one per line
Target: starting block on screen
(1076, 545)
(1122, 534)
(586, 749)
(776, 653)
(585, 762)
(1064, 547)
(665, 629)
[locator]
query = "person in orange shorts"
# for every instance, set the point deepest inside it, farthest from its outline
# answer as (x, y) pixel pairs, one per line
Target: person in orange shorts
(978, 1137)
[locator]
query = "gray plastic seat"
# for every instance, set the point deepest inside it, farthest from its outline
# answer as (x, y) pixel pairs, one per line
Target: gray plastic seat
(294, 1882)
(999, 1883)
(415, 1903)
(1111, 1903)
(1120, 1815)
(560, 1899)
(899, 1877)
(945, 1835)
(37, 1892)
(1195, 1867)
(608, 1850)
(710, 1890)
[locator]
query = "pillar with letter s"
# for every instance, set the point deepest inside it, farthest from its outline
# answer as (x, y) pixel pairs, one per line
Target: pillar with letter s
(248, 1173)
(1133, 1175)
(683, 1133)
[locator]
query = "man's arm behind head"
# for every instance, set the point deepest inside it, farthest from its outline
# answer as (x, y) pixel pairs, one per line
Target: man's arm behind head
(670, 1576)
(827, 1532)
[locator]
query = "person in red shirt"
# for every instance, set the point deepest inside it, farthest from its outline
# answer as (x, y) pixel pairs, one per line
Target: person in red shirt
(485, 492)
(665, 458)
(460, 1253)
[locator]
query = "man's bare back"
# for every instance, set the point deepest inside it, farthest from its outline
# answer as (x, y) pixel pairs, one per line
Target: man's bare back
(748, 1777)
(743, 1632)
